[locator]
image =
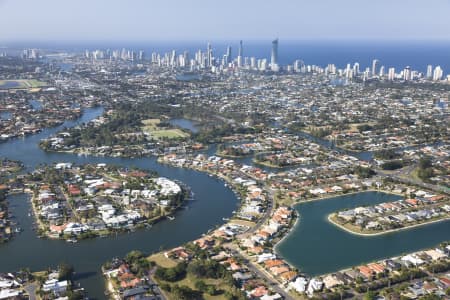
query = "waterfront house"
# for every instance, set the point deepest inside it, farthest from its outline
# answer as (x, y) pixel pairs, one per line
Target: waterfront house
(55, 286)
(365, 271)
(300, 284)
(288, 276)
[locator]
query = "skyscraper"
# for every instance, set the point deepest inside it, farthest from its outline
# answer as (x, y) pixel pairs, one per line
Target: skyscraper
(274, 57)
(374, 67)
(407, 73)
(209, 55)
(429, 71)
(437, 74)
(229, 58)
(391, 74)
(240, 53)
(356, 68)
(381, 73)
(241, 49)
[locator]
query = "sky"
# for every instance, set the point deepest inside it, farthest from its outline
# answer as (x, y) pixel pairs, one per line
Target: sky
(175, 20)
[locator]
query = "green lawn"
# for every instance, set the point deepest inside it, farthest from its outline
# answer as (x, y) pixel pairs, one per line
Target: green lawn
(169, 133)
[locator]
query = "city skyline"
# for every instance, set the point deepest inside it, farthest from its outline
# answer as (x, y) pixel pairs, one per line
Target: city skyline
(51, 20)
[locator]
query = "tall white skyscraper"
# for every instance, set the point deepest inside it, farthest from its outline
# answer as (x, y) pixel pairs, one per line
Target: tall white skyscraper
(438, 73)
(229, 58)
(429, 71)
(374, 67)
(356, 68)
(407, 73)
(381, 73)
(391, 74)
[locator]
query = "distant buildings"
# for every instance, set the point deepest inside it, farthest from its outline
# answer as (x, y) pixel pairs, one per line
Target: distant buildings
(206, 60)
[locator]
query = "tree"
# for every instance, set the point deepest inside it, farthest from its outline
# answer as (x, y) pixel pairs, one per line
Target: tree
(171, 274)
(370, 295)
(65, 271)
(201, 285)
(425, 162)
(185, 293)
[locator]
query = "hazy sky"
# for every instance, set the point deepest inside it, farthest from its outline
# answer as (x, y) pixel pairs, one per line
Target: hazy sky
(137, 20)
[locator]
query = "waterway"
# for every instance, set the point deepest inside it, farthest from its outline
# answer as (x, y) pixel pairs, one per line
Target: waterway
(213, 201)
(315, 246)
(36, 104)
(185, 123)
(5, 115)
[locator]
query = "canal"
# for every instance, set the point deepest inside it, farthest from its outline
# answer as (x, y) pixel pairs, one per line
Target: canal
(213, 201)
(315, 246)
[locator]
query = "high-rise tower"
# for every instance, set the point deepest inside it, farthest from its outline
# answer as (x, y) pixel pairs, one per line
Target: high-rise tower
(229, 58)
(374, 67)
(241, 49)
(274, 57)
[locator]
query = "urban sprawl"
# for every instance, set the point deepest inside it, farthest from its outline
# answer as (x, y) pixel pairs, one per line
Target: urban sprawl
(276, 135)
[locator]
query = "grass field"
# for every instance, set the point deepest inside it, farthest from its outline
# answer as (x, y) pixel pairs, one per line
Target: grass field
(151, 127)
(21, 84)
(161, 260)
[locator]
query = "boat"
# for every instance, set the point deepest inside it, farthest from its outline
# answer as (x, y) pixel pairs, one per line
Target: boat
(72, 240)
(171, 218)
(226, 219)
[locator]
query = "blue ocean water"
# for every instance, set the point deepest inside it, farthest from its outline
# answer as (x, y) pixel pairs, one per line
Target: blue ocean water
(398, 54)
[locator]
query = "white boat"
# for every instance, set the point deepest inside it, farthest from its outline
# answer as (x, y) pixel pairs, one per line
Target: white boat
(71, 240)
(171, 218)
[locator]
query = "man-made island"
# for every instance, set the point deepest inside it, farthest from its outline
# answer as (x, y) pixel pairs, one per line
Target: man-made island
(72, 201)
(425, 208)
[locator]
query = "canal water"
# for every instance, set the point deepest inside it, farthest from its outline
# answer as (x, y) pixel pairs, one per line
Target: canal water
(5, 115)
(213, 201)
(184, 123)
(315, 246)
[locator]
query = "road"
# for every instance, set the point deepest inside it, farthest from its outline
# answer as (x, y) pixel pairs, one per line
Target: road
(252, 266)
(404, 175)
(31, 290)
(258, 270)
